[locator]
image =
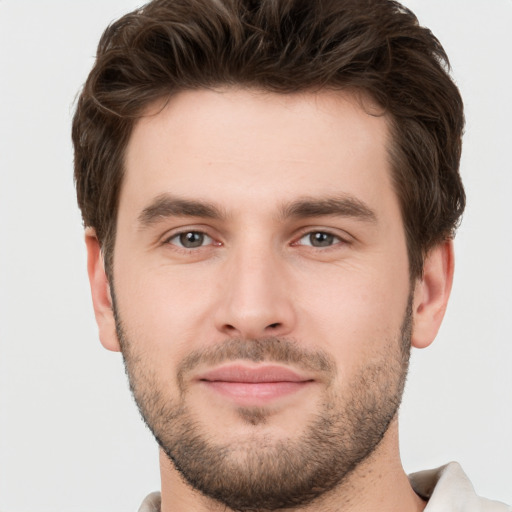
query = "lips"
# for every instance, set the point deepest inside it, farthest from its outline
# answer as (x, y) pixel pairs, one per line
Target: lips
(253, 385)
(255, 375)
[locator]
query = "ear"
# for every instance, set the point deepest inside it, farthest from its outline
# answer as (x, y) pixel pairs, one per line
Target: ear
(431, 294)
(100, 291)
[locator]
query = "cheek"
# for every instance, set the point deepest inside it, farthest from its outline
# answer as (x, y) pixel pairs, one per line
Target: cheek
(164, 309)
(355, 313)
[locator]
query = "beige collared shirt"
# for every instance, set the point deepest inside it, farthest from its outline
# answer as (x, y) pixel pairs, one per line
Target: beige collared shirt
(447, 489)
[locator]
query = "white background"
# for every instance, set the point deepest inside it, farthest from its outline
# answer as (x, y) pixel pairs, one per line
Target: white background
(70, 436)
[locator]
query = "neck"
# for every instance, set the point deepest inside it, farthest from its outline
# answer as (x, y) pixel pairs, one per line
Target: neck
(378, 483)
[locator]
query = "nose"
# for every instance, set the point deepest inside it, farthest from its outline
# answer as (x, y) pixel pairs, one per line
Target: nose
(255, 299)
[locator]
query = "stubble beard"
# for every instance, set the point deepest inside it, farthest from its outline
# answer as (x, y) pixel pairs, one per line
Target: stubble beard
(259, 473)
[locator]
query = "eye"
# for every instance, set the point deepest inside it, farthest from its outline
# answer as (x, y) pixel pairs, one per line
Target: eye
(319, 239)
(190, 240)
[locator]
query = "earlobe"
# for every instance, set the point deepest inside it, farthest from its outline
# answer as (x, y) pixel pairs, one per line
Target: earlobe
(431, 294)
(100, 291)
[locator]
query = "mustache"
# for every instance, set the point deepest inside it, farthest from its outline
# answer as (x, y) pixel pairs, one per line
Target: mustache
(270, 349)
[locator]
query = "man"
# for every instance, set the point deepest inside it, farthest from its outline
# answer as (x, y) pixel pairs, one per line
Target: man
(270, 191)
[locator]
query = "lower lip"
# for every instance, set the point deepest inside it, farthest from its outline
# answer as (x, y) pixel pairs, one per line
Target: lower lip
(255, 393)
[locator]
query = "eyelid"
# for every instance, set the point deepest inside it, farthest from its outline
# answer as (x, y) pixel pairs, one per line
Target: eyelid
(176, 232)
(343, 237)
(207, 239)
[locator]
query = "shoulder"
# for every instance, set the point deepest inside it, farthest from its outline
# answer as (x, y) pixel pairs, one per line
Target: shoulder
(151, 503)
(448, 489)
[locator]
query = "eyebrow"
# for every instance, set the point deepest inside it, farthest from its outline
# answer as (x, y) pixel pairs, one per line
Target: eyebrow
(339, 206)
(165, 206)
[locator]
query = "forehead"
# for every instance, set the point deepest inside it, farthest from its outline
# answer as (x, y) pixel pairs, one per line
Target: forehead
(230, 144)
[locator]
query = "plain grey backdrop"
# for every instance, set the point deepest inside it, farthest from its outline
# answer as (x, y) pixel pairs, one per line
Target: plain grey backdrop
(70, 436)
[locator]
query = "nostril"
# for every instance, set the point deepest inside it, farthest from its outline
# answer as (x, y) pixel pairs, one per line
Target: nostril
(274, 326)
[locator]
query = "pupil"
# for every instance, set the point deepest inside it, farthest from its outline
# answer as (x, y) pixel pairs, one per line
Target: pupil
(191, 239)
(321, 239)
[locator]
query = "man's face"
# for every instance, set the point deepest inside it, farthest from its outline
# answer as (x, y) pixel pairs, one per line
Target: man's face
(262, 289)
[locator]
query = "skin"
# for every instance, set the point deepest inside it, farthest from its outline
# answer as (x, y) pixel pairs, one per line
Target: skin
(251, 154)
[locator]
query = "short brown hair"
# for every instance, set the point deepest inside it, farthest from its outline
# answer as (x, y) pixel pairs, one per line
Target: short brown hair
(284, 46)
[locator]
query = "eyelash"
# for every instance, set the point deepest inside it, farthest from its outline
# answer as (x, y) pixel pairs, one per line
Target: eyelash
(334, 239)
(178, 237)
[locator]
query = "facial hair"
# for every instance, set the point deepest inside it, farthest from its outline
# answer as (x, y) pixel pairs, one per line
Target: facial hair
(259, 473)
